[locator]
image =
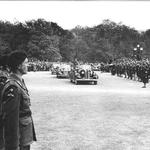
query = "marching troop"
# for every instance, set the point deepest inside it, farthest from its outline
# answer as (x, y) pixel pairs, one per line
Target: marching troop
(39, 66)
(131, 69)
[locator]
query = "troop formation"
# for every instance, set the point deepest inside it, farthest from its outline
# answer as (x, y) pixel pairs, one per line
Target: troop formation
(131, 69)
(38, 65)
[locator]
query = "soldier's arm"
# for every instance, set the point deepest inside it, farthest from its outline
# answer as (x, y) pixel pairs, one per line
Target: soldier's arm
(11, 112)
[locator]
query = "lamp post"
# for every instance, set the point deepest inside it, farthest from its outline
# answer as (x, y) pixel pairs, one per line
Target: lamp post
(137, 52)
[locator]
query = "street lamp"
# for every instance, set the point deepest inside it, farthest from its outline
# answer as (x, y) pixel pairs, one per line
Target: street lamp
(137, 52)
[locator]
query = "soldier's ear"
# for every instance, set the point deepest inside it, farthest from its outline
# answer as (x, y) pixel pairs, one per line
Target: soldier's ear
(19, 66)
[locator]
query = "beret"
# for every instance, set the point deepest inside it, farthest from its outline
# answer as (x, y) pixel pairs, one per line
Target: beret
(16, 58)
(3, 60)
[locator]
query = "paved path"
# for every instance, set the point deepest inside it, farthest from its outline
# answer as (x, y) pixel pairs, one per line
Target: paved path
(113, 115)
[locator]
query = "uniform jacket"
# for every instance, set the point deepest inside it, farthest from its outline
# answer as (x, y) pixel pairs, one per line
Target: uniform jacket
(18, 123)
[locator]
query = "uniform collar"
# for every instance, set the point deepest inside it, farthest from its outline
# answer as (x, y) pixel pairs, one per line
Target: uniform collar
(19, 80)
(16, 77)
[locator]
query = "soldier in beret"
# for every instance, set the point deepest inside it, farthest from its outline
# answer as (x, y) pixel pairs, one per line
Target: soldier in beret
(19, 130)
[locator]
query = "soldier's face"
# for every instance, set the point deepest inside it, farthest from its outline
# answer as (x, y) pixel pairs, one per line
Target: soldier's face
(24, 67)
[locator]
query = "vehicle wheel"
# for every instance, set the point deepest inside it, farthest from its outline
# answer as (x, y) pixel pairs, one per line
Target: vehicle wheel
(76, 82)
(95, 82)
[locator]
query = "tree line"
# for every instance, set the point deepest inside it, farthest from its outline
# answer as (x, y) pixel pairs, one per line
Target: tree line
(44, 40)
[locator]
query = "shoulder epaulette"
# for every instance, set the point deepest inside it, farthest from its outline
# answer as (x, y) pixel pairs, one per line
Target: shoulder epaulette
(8, 83)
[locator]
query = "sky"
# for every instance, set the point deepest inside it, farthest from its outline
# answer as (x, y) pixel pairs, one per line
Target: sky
(69, 14)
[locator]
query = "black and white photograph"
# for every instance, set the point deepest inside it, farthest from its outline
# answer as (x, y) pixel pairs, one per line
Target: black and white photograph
(74, 75)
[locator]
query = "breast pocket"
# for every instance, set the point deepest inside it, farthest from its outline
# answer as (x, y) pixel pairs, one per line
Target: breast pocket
(25, 100)
(25, 121)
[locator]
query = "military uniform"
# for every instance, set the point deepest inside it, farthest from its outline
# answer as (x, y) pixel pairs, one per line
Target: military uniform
(144, 74)
(19, 130)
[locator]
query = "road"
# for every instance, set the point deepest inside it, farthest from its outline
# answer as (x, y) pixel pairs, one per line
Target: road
(113, 115)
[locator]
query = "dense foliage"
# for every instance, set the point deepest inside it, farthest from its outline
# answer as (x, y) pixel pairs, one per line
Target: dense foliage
(45, 40)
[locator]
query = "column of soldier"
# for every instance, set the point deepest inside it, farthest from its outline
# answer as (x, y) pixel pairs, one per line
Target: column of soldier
(38, 66)
(132, 69)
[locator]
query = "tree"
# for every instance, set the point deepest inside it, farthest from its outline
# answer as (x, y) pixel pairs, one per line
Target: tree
(4, 47)
(44, 47)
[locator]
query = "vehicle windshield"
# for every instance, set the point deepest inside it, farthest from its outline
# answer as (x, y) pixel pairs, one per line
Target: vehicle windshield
(65, 67)
(56, 65)
(85, 67)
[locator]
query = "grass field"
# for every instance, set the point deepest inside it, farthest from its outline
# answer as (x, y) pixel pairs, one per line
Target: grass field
(113, 115)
